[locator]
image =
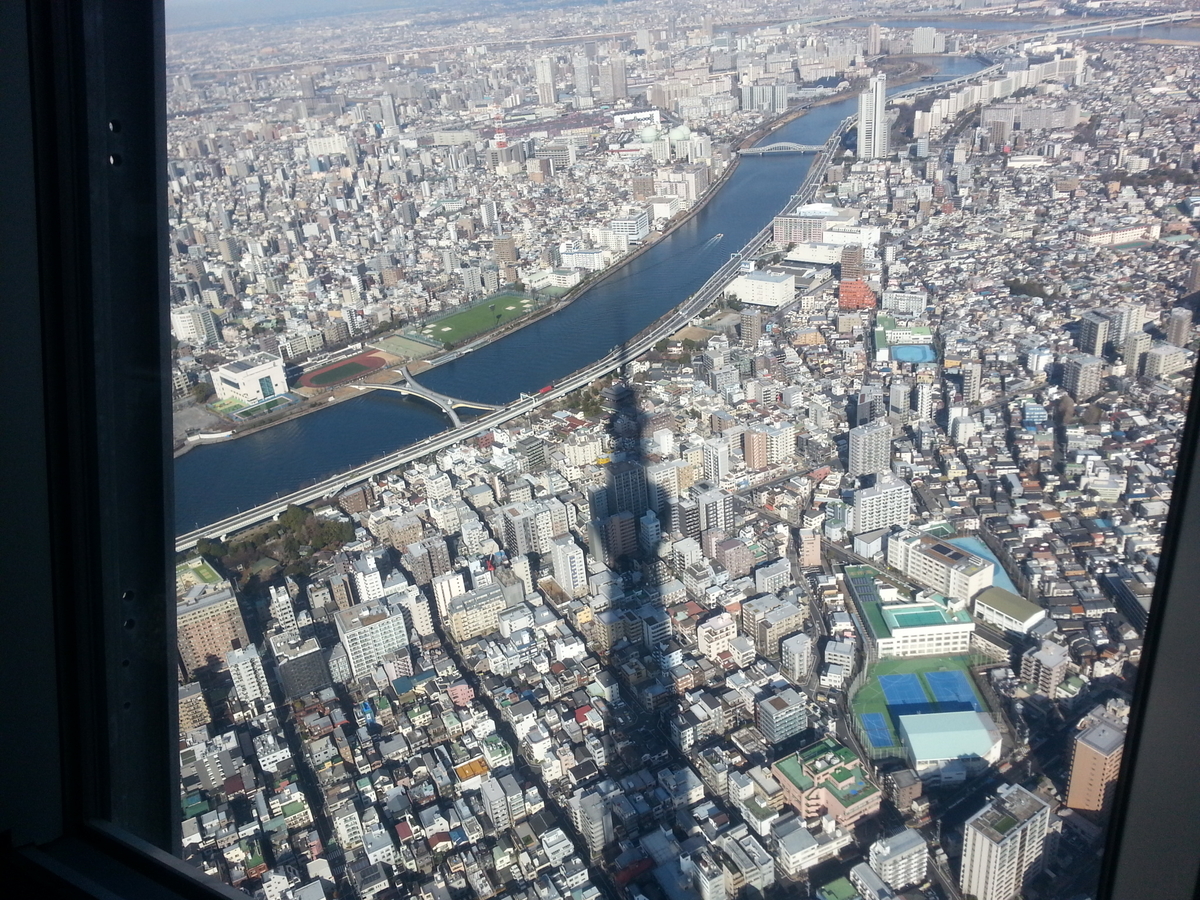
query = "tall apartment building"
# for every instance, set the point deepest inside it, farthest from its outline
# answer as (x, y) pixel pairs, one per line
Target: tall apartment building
(627, 488)
(716, 459)
(543, 74)
(901, 859)
(246, 669)
(592, 819)
(662, 484)
(1081, 375)
(939, 565)
(716, 510)
(1133, 351)
(368, 580)
(754, 448)
(1179, 326)
(972, 380)
(713, 635)
(796, 656)
(1004, 843)
(369, 632)
(281, 610)
(872, 120)
(425, 560)
(808, 548)
(883, 504)
(476, 613)
(195, 325)
(782, 716)
(751, 327)
(1163, 360)
(1045, 667)
(445, 588)
(582, 75)
(926, 40)
(1093, 332)
(208, 625)
(531, 527)
(874, 39)
(870, 449)
(414, 605)
(1096, 761)
(613, 84)
(569, 565)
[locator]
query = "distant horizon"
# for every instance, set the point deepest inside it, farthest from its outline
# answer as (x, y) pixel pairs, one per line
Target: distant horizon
(213, 15)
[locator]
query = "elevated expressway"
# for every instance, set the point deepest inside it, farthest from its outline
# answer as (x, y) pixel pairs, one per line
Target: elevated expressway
(615, 359)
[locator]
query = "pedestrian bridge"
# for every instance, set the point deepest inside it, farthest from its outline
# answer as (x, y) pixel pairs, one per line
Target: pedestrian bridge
(781, 147)
(409, 387)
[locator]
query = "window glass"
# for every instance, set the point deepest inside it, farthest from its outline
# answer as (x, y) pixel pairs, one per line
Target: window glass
(621, 446)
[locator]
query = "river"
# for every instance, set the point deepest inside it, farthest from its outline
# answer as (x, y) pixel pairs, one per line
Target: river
(217, 480)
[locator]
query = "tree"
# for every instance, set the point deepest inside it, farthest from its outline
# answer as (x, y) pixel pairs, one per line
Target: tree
(202, 391)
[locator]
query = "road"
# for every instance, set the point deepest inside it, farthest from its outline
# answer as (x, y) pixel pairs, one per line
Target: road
(617, 358)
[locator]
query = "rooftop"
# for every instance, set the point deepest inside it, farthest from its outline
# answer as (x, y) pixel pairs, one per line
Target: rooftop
(1014, 806)
(950, 735)
(1007, 603)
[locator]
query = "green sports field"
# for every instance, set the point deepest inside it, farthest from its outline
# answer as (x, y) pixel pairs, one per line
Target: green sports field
(870, 697)
(460, 326)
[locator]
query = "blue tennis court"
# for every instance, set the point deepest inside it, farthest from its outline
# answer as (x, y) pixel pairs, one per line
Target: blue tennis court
(952, 687)
(902, 690)
(904, 695)
(877, 729)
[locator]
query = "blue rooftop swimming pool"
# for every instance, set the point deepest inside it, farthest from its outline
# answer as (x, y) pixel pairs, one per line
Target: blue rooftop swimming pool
(914, 353)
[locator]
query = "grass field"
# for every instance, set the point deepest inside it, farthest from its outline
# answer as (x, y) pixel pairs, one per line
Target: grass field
(405, 348)
(460, 326)
(870, 698)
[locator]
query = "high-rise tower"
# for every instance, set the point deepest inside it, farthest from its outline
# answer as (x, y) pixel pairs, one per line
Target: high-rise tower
(1003, 844)
(872, 120)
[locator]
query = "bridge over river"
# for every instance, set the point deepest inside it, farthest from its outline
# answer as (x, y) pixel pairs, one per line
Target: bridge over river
(409, 387)
(781, 147)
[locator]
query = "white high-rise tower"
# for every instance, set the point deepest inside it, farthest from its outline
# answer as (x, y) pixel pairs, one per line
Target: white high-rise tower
(1003, 844)
(872, 120)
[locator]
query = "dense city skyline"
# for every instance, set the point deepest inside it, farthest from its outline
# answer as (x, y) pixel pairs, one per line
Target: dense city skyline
(832, 582)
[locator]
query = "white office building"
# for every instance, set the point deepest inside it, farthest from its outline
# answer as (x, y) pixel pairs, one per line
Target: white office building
(251, 380)
(771, 289)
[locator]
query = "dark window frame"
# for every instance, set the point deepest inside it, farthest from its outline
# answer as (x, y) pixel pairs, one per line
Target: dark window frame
(89, 799)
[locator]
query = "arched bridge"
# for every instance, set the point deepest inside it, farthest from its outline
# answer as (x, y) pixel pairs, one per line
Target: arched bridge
(781, 147)
(448, 405)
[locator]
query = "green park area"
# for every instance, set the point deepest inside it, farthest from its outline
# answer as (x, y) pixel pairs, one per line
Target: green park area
(491, 313)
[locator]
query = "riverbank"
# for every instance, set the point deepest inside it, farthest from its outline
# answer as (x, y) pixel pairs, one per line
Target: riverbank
(418, 367)
(914, 71)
